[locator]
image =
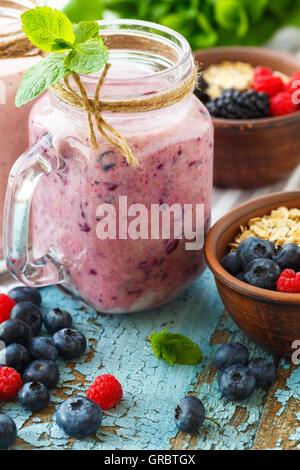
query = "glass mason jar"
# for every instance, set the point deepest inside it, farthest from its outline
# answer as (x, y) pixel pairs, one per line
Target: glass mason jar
(62, 181)
(13, 121)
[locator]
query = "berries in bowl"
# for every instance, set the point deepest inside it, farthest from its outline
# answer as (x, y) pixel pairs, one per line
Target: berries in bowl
(256, 122)
(258, 279)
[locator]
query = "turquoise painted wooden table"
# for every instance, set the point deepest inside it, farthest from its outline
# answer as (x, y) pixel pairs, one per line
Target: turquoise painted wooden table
(152, 388)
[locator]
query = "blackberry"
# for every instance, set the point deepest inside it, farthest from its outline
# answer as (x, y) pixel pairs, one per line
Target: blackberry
(200, 90)
(235, 104)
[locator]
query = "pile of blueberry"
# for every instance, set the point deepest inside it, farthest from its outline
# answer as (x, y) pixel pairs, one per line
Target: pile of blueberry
(237, 381)
(259, 263)
(239, 377)
(34, 357)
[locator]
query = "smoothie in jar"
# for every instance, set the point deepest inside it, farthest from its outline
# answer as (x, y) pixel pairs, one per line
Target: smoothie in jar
(174, 147)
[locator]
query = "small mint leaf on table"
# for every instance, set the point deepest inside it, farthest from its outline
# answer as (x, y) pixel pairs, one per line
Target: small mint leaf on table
(40, 77)
(175, 348)
(87, 57)
(48, 29)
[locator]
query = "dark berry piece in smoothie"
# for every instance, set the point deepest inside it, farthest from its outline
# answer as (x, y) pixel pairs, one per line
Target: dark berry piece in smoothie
(29, 313)
(24, 293)
(107, 161)
(85, 227)
(172, 246)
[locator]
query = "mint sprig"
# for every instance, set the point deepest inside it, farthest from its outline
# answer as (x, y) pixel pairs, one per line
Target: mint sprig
(175, 348)
(73, 49)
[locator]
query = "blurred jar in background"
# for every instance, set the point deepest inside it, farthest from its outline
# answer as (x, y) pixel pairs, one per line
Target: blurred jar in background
(16, 57)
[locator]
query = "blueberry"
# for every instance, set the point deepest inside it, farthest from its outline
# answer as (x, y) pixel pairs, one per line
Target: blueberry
(29, 314)
(231, 263)
(15, 331)
(262, 273)
(42, 348)
(8, 432)
(237, 383)
(231, 354)
(24, 293)
(43, 371)
(56, 320)
(70, 344)
(15, 356)
(189, 414)
(253, 248)
(34, 396)
(79, 416)
(264, 371)
(288, 257)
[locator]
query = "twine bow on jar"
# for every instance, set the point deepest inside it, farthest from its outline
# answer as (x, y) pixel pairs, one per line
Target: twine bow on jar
(95, 107)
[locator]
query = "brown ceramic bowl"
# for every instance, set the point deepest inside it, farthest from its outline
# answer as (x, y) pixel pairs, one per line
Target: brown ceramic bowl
(271, 319)
(257, 152)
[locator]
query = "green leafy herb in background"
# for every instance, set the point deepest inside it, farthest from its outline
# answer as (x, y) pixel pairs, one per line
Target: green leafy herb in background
(74, 49)
(205, 23)
(177, 348)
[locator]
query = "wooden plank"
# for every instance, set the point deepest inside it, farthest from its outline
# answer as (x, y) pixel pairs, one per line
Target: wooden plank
(239, 421)
(144, 419)
(280, 423)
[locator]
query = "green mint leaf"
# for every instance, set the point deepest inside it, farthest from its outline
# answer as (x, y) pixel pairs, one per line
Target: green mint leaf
(87, 57)
(86, 30)
(40, 77)
(48, 29)
(175, 348)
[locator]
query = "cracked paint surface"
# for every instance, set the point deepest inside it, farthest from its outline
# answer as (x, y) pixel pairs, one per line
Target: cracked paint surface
(152, 388)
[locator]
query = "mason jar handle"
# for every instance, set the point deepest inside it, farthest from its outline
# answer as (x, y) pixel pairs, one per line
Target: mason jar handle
(26, 173)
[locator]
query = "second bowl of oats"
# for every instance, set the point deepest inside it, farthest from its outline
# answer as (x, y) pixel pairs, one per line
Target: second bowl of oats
(256, 134)
(264, 302)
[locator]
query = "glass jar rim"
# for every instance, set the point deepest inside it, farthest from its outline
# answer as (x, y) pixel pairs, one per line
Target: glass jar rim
(11, 12)
(146, 84)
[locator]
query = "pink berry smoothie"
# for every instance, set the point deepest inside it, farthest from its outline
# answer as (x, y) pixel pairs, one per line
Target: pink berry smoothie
(13, 121)
(175, 149)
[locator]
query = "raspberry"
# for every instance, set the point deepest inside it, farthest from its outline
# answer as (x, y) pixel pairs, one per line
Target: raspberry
(289, 282)
(10, 383)
(261, 72)
(282, 104)
(106, 391)
(269, 84)
(6, 305)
